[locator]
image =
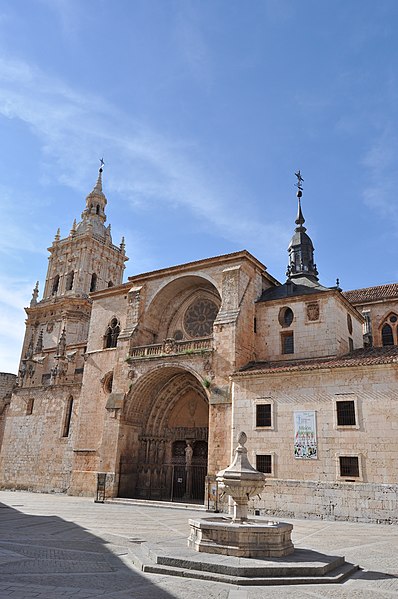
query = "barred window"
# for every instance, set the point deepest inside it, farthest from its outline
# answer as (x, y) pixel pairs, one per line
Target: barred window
(349, 466)
(345, 413)
(264, 463)
(263, 414)
(287, 343)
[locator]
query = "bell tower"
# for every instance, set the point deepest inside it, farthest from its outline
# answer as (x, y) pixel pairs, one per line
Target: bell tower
(86, 260)
(79, 264)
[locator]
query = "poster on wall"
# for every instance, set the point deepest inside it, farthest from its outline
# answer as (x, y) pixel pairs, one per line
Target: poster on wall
(305, 445)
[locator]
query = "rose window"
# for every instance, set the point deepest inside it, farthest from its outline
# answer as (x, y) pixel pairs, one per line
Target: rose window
(199, 318)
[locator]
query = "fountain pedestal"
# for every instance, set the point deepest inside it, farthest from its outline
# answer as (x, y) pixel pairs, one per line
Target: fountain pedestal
(251, 539)
(238, 536)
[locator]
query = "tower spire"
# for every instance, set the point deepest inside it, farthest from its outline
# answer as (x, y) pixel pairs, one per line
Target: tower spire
(301, 250)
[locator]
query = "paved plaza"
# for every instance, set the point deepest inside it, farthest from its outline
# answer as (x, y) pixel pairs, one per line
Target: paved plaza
(54, 546)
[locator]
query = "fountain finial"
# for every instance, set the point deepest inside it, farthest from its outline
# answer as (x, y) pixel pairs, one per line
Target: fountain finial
(242, 438)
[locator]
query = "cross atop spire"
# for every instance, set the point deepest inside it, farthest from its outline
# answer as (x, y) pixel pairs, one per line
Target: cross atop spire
(98, 185)
(298, 184)
(300, 220)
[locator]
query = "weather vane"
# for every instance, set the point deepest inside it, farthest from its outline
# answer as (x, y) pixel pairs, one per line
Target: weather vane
(102, 164)
(299, 180)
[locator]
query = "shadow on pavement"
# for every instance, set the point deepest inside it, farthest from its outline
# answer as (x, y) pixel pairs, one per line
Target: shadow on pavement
(58, 558)
(372, 575)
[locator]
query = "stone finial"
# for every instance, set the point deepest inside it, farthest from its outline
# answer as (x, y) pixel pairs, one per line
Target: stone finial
(241, 438)
(73, 229)
(122, 245)
(57, 235)
(35, 294)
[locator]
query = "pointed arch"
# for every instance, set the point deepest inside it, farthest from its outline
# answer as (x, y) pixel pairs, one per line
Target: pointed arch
(387, 337)
(112, 333)
(389, 329)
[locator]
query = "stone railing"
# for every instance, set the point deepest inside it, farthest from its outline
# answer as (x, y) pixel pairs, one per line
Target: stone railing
(172, 347)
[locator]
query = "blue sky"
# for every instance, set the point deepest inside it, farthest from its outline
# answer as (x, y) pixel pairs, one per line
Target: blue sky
(202, 111)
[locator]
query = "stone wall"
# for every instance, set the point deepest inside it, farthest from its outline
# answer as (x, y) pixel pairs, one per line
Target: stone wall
(7, 383)
(320, 327)
(356, 502)
(372, 440)
(36, 453)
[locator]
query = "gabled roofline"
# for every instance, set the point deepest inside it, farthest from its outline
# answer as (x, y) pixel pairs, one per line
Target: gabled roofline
(187, 267)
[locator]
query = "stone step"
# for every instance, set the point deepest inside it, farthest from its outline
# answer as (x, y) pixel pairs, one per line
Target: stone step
(154, 503)
(331, 570)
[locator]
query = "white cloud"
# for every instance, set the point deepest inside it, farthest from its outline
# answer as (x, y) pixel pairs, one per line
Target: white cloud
(191, 42)
(382, 175)
(14, 293)
(71, 126)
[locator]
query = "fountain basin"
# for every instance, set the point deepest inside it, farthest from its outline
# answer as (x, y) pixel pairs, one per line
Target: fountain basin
(253, 538)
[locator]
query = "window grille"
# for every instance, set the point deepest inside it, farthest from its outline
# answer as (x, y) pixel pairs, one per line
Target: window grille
(349, 466)
(263, 414)
(264, 463)
(346, 413)
(287, 343)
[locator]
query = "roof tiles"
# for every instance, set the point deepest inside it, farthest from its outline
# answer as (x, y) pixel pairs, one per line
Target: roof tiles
(359, 357)
(372, 294)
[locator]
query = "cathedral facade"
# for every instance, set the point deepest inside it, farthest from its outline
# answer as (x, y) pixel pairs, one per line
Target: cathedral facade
(139, 389)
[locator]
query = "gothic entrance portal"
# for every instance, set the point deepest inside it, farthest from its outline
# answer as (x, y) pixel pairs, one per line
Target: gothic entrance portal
(165, 442)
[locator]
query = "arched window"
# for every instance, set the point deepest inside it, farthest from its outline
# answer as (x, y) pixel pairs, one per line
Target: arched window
(93, 284)
(98, 209)
(55, 284)
(112, 333)
(69, 280)
(68, 417)
(387, 337)
(110, 283)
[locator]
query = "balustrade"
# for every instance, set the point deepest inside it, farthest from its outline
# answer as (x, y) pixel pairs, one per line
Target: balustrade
(172, 347)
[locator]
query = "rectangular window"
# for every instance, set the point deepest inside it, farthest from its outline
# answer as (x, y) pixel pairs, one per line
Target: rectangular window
(287, 343)
(264, 463)
(67, 418)
(263, 414)
(29, 406)
(349, 466)
(345, 413)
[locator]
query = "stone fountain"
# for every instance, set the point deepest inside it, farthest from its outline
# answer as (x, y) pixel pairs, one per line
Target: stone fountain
(238, 535)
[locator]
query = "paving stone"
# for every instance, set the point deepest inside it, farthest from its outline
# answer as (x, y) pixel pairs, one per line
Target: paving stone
(60, 547)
